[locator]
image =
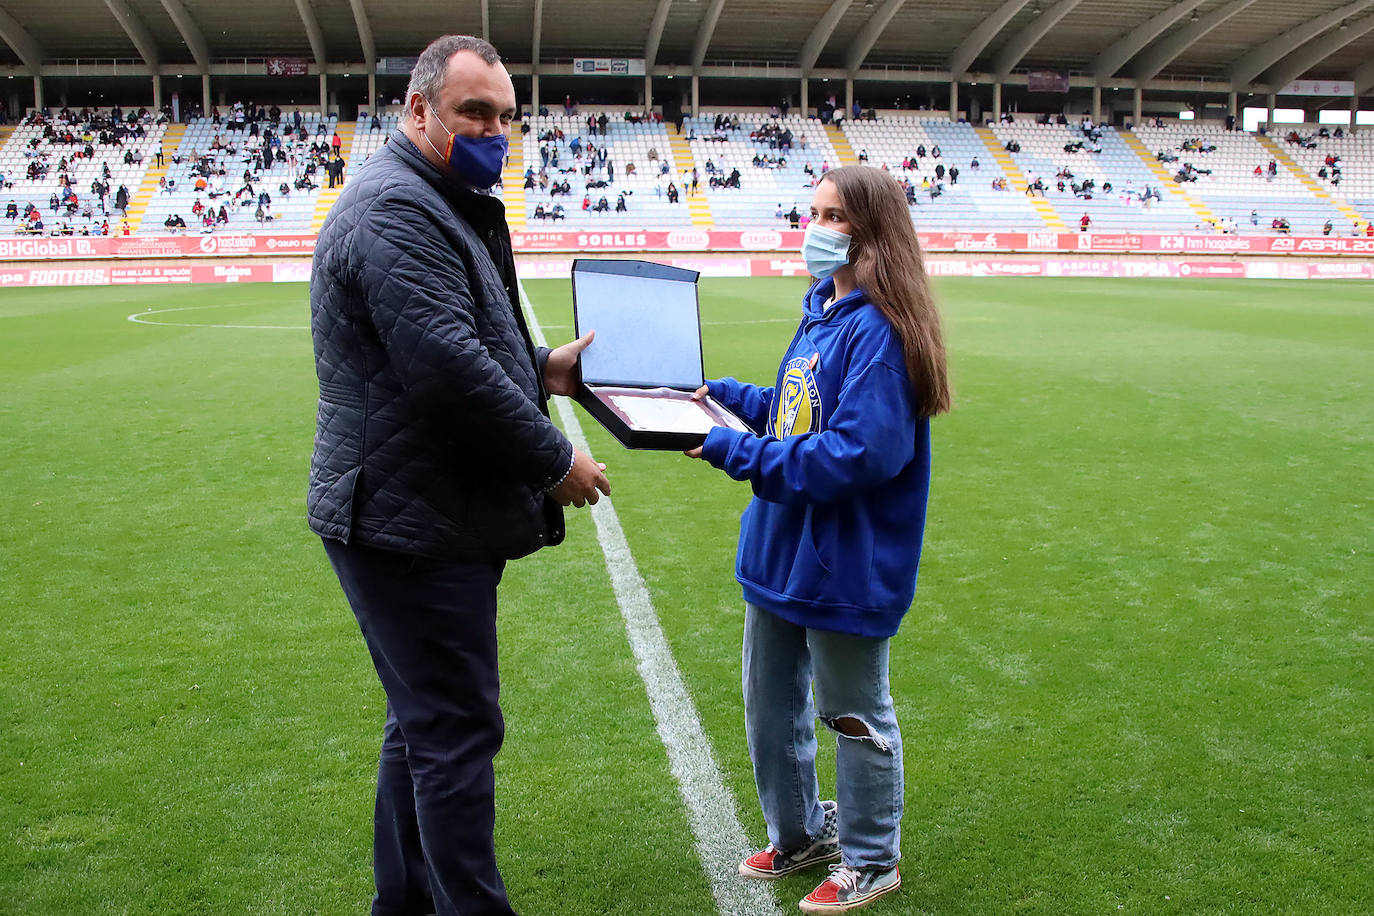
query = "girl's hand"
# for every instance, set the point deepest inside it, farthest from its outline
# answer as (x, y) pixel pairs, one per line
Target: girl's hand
(693, 453)
(700, 393)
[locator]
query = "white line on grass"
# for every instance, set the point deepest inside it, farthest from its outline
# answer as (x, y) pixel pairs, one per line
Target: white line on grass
(139, 318)
(720, 839)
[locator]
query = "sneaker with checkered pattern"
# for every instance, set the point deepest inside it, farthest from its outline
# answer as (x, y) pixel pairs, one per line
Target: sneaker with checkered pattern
(774, 863)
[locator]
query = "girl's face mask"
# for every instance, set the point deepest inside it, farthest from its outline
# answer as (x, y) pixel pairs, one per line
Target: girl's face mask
(824, 250)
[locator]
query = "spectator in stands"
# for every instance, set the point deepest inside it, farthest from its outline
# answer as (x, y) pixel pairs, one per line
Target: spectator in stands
(174, 222)
(939, 172)
(1327, 227)
(953, 174)
(12, 210)
(336, 170)
(672, 193)
(974, 164)
(1084, 222)
(620, 206)
(793, 217)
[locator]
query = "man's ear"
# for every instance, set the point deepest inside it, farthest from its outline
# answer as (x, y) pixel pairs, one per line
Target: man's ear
(418, 109)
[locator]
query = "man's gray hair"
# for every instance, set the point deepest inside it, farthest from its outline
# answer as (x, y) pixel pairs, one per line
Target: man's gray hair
(432, 66)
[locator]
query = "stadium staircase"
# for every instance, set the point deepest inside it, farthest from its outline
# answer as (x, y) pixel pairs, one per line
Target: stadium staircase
(840, 142)
(138, 202)
(1166, 177)
(347, 130)
(1018, 181)
(5, 134)
(698, 205)
(1308, 182)
(513, 182)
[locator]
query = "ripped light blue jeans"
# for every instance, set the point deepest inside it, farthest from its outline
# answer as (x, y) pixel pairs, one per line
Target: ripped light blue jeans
(850, 674)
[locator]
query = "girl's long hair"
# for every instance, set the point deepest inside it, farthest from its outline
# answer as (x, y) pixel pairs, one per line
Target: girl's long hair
(886, 256)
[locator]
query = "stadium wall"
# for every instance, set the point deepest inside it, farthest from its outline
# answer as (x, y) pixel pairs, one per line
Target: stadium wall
(95, 261)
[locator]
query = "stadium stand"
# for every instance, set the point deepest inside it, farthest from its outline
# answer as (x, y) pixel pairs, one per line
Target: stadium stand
(1337, 167)
(240, 157)
(765, 191)
(1094, 172)
(968, 203)
(1217, 167)
(646, 195)
(1179, 177)
(44, 164)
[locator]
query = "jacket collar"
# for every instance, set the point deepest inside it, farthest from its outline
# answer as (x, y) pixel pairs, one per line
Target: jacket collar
(813, 304)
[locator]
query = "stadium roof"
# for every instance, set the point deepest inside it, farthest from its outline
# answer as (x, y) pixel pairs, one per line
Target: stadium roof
(1250, 45)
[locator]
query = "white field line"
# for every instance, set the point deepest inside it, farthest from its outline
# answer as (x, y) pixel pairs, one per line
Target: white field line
(141, 318)
(720, 840)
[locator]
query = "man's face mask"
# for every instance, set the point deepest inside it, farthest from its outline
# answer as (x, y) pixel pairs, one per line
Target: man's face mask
(477, 161)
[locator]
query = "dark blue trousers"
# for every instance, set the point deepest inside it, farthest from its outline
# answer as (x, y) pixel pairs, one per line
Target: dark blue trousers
(430, 626)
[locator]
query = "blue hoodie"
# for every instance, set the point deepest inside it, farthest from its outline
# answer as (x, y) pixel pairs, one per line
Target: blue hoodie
(840, 471)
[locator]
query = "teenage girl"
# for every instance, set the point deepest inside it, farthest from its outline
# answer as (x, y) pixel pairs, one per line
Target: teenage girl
(829, 546)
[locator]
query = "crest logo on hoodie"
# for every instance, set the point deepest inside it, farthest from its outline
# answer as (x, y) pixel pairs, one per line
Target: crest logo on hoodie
(798, 400)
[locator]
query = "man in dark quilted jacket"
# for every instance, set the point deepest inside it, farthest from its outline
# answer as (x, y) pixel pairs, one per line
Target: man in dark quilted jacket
(435, 462)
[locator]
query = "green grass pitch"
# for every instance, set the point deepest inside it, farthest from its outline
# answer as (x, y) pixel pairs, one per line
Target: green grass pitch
(1138, 676)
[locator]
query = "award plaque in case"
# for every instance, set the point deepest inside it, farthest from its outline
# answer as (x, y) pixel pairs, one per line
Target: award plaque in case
(638, 376)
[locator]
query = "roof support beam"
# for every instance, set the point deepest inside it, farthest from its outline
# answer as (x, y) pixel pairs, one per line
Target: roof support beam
(486, 20)
(537, 36)
(704, 33)
(138, 32)
(1134, 41)
(190, 33)
(820, 35)
(977, 40)
(1258, 59)
(868, 36)
(1308, 56)
(365, 33)
(1030, 36)
(1160, 55)
(313, 33)
(655, 36)
(25, 46)
(1364, 79)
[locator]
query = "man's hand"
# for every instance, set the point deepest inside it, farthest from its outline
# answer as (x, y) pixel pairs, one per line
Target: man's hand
(560, 372)
(585, 479)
